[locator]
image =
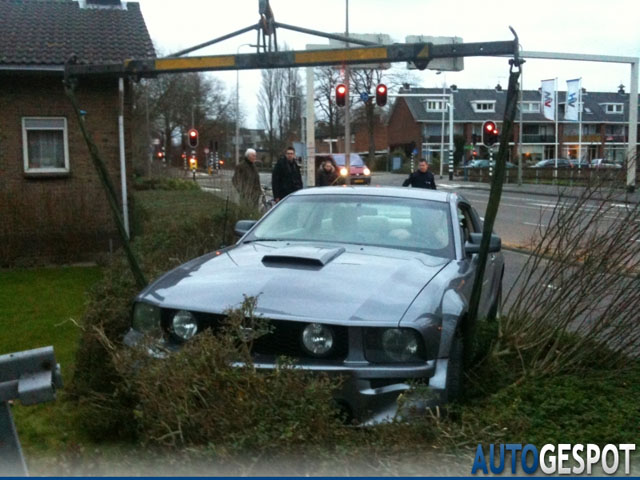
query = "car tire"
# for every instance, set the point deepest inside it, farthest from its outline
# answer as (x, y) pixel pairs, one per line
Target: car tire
(455, 368)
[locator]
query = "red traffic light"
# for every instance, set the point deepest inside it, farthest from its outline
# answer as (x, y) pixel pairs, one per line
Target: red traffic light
(341, 95)
(489, 133)
(193, 138)
(381, 95)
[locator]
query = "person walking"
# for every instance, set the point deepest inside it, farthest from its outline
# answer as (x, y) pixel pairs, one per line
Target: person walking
(246, 180)
(326, 175)
(286, 177)
(421, 178)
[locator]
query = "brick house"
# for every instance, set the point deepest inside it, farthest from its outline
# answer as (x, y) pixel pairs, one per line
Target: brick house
(417, 122)
(52, 205)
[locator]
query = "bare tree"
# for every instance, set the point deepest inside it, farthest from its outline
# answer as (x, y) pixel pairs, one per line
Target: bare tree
(579, 293)
(326, 81)
(279, 107)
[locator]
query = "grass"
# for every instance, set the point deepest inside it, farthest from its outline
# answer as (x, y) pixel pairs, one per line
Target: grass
(41, 307)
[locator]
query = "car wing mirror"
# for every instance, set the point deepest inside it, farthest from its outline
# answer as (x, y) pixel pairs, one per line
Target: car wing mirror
(243, 226)
(473, 244)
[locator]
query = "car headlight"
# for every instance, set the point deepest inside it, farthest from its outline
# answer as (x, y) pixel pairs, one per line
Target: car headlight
(393, 345)
(366, 171)
(146, 319)
(343, 172)
(317, 339)
(184, 325)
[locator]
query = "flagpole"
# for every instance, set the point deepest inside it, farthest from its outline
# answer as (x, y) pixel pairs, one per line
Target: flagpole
(555, 116)
(580, 123)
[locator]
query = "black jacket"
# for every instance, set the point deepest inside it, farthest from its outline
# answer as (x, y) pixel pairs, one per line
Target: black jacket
(421, 180)
(326, 179)
(286, 178)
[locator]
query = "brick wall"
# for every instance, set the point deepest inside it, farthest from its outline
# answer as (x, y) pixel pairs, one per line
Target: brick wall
(402, 129)
(64, 218)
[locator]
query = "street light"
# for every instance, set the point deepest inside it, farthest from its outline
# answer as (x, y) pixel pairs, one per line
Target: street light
(237, 142)
(442, 103)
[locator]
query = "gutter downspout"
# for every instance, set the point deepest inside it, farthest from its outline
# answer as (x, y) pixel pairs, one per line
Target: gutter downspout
(123, 166)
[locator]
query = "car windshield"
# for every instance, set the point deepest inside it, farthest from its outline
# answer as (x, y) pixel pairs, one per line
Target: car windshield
(356, 160)
(404, 223)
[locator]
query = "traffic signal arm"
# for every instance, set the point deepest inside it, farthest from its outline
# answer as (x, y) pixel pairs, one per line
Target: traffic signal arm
(419, 53)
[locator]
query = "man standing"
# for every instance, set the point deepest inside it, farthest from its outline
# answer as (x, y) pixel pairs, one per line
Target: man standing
(246, 180)
(421, 178)
(286, 177)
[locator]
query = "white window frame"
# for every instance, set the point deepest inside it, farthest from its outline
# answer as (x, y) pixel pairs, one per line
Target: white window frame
(25, 144)
(613, 108)
(490, 104)
(530, 107)
(435, 105)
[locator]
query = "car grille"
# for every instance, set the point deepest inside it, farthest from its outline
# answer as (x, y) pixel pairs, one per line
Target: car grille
(284, 339)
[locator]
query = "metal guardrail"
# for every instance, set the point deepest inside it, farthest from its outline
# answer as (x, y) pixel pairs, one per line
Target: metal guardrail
(31, 376)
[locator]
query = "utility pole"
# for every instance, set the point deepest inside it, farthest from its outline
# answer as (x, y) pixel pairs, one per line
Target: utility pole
(347, 119)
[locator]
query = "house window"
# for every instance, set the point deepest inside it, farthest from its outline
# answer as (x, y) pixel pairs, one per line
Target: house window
(613, 107)
(435, 105)
(530, 107)
(45, 145)
(484, 106)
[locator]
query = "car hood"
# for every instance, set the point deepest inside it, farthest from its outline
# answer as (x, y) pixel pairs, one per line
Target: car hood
(331, 283)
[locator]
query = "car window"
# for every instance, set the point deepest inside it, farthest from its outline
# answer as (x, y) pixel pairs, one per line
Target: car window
(405, 223)
(356, 160)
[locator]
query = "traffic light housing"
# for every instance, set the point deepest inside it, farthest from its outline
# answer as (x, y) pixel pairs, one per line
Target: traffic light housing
(193, 137)
(381, 95)
(341, 95)
(490, 133)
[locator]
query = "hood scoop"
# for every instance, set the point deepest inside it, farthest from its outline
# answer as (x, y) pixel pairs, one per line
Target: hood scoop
(301, 256)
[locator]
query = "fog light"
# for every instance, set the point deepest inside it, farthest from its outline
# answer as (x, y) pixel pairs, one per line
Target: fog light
(317, 339)
(184, 325)
(400, 344)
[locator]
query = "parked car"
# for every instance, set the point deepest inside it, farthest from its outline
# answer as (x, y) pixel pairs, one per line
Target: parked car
(370, 283)
(582, 163)
(551, 163)
(360, 173)
(484, 163)
(604, 163)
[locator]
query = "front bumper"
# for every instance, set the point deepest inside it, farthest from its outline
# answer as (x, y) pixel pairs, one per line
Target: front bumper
(370, 393)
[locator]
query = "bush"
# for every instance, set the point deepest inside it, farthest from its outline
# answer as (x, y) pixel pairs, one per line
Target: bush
(172, 227)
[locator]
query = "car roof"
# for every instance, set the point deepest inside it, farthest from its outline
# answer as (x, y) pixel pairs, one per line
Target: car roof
(401, 192)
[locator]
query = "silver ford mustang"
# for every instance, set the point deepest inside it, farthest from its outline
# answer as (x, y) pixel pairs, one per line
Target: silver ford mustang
(369, 283)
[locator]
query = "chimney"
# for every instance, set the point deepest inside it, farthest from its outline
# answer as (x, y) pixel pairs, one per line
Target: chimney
(454, 88)
(621, 89)
(498, 88)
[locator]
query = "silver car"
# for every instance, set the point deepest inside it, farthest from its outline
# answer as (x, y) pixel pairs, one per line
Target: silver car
(369, 283)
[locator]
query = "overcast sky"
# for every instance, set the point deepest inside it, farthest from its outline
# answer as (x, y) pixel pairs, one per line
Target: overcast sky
(595, 27)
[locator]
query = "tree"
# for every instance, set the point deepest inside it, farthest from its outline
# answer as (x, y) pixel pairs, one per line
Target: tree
(326, 81)
(279, 107)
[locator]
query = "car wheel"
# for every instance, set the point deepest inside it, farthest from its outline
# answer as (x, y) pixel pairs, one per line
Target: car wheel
(455, 368)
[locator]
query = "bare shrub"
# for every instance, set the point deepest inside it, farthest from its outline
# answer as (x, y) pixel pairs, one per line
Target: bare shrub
(578, 296)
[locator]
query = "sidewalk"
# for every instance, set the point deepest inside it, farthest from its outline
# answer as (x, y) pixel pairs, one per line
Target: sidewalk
(536, 189)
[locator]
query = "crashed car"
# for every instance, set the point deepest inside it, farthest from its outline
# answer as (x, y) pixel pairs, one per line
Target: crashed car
(370, 284)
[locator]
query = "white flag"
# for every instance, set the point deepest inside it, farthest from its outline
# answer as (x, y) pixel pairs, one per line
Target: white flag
(549, 99)
(572, 105)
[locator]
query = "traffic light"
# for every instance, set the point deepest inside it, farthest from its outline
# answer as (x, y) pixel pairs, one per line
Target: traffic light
(489, 133)
(193, 138)
(341, 95)
(381, 95)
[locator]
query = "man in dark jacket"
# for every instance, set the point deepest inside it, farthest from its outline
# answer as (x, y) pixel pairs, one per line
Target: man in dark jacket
(286, 177)
(246, 180)
(421, 178)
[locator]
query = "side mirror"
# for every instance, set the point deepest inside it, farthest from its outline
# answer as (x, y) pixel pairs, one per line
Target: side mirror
(243, 226)
(473, 245)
